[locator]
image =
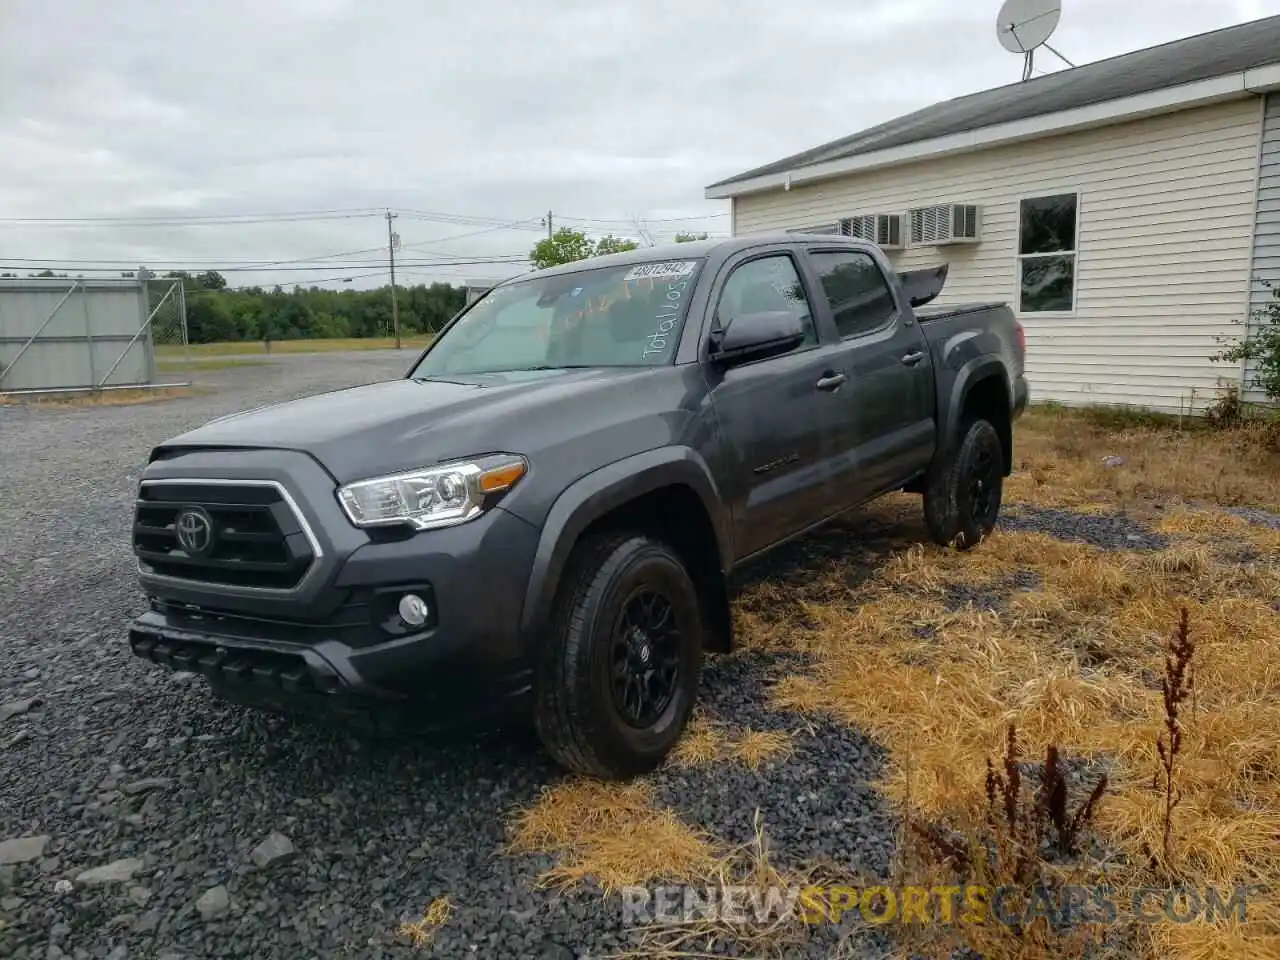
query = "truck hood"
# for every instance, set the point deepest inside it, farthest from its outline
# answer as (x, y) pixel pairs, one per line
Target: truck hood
(396, 425)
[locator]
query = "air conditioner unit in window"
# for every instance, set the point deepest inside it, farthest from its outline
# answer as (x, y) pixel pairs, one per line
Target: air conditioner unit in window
(882, 229)
(945, 223)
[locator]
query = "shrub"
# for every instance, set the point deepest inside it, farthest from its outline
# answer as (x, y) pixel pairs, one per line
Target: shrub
(1261, 347)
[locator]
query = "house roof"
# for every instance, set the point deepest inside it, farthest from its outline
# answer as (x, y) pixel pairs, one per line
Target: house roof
(1219, 53)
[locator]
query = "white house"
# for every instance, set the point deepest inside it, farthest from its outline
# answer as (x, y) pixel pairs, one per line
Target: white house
(1125, 209)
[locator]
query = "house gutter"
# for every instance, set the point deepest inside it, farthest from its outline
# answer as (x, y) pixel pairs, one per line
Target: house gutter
(1233, 86)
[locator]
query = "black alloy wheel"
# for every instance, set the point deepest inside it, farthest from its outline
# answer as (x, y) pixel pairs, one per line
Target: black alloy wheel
(617, 675)
(645, 658)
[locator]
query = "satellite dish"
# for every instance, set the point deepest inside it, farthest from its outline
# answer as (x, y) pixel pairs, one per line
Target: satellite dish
(1024, 25)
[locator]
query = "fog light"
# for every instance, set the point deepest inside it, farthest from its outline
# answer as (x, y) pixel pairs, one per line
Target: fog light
(413, 610)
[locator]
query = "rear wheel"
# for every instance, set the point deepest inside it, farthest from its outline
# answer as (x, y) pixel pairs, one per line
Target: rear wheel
(618, 675)
(962, 500)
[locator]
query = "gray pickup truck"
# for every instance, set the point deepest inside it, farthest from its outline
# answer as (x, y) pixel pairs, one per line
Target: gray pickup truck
(543, 513)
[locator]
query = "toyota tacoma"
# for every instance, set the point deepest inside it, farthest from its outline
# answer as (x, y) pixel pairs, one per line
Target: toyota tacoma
(543, 513)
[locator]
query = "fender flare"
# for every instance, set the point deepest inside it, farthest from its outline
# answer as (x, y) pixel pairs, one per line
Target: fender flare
(594, 495)
(966, 378)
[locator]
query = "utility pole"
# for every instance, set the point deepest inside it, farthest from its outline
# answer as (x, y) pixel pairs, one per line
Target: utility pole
(393, 241)
(549, 229)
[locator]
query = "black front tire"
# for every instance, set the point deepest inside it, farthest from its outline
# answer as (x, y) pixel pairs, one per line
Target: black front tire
(962, 499)
(590, 691)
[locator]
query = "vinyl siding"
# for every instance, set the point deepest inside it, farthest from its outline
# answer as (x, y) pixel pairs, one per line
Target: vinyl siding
(1166, 218)
(1266, 233)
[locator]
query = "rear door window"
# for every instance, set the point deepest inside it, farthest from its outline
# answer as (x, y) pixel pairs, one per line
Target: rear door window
(856, 291)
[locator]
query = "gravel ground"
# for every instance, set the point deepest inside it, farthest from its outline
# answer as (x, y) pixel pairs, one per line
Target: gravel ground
(213, 831)
(171, 826)
(1256, 516)
(1105, 531)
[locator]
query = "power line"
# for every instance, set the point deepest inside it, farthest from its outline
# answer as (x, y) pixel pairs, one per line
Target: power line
(250, 265)
(177, 219)
(515, 224)
(321, 268)
(462, 219)
(341, 276)
(187, 221)
(631, 220)
(197, 261)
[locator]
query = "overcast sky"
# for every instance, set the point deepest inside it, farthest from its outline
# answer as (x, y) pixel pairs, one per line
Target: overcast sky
(486, 112)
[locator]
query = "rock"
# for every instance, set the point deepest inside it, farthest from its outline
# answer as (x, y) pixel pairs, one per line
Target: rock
(120, 952)
(275, 849)
(146, 786)
(11, 903)
(22, 849)
(139, 895)
(213, 903)
(119, 871)
(18, 739)
(63, 887)
(1113, 461)
(148, 922)
(7, 875)
(16, 708)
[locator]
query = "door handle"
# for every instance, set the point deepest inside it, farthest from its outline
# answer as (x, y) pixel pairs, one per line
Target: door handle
(911, 359)
(831, 381)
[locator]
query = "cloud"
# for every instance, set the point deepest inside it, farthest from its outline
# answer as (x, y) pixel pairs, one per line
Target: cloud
(490, 110)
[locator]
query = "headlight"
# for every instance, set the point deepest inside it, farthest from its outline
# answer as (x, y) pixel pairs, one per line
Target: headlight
(432, 497)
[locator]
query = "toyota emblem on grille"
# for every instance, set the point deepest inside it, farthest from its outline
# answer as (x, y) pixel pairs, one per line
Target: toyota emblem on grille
(194, 528)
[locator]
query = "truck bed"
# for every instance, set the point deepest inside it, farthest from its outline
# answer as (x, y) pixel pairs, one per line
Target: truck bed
(936, 312)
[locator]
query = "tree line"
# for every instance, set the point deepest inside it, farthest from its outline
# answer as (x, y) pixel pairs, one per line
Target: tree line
(217, 313)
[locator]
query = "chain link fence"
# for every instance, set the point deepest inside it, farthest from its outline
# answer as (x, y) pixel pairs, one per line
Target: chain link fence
(167, 307)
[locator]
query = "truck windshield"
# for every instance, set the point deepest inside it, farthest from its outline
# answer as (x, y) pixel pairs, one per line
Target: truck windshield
(623, 316)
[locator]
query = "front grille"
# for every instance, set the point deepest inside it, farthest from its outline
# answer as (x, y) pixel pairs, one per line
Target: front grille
(255, 537)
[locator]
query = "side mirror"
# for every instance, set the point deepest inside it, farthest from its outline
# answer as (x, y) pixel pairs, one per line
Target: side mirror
(755, 336)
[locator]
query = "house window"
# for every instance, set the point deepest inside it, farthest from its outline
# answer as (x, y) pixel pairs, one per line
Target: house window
(1047, 254)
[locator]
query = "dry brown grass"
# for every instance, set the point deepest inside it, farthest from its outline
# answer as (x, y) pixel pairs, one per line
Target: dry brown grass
(611, 833)
(706, 742)
(1059, 456)
(1074, 662)
(773, 932)
(422, 933)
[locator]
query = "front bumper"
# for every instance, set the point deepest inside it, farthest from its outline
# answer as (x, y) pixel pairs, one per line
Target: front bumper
(334, 644)
(385, 685)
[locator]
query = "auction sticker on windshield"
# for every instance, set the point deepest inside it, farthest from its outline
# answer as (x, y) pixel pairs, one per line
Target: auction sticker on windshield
(655, 271)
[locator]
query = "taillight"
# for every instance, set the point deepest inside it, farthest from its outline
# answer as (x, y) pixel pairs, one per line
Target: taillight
(1022, 337)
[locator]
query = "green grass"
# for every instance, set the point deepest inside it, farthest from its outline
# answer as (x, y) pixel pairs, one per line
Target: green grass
(255, 347)
(168, 364)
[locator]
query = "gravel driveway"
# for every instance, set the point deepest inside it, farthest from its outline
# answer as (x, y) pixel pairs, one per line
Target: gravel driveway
(124, 767)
